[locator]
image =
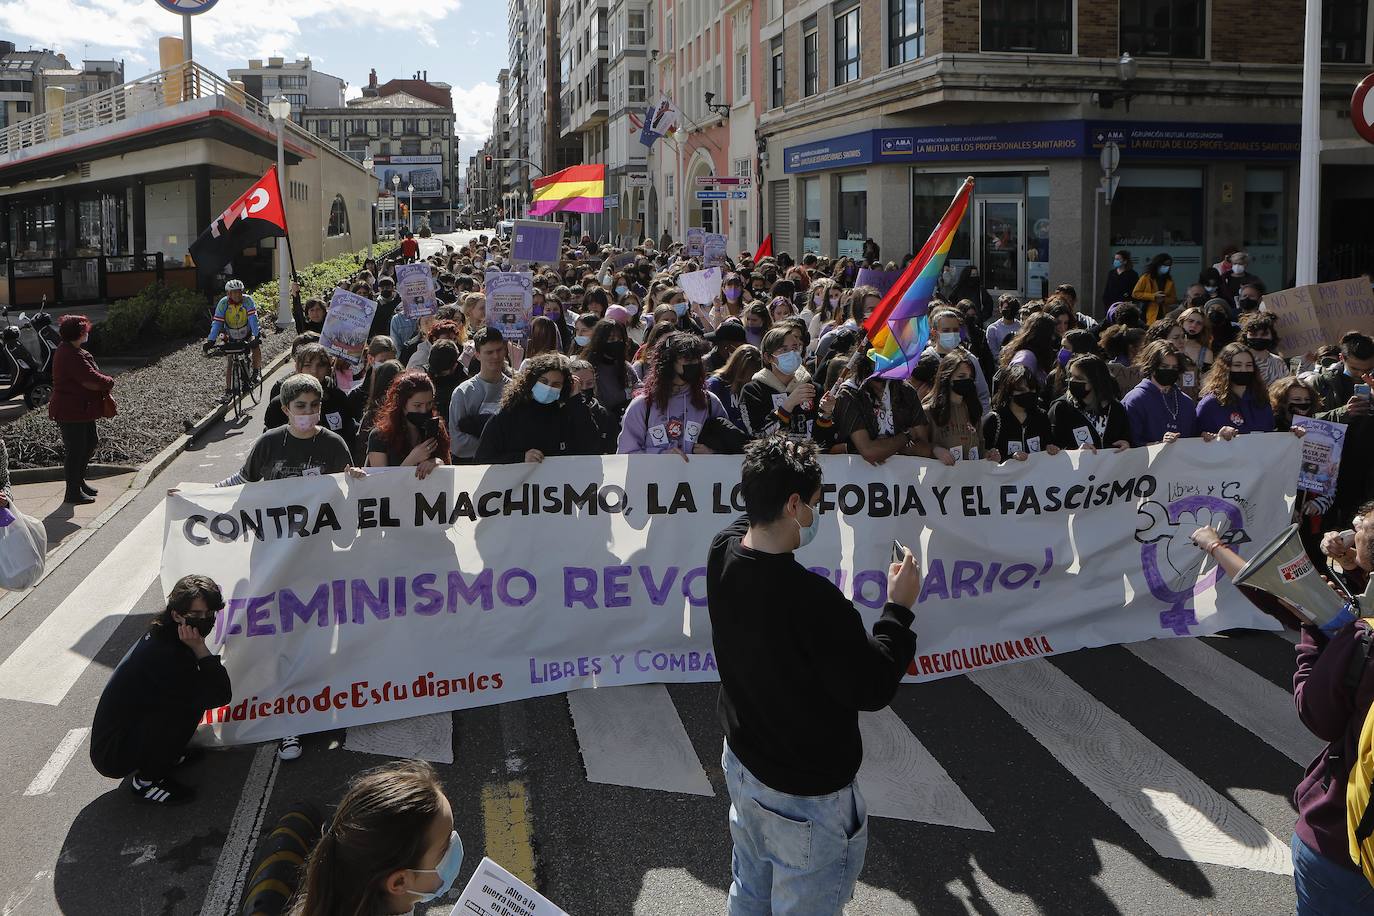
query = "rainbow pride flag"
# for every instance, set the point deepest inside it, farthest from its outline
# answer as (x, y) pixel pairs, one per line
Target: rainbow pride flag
(576, 189)
(899, 328)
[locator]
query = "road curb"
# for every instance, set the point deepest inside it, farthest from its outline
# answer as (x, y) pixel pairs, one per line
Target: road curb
(57, 472)
(162, 459)
(10, 600)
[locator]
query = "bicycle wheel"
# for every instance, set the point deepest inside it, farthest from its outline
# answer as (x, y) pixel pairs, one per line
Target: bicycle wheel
(251, 389)
(239, 387)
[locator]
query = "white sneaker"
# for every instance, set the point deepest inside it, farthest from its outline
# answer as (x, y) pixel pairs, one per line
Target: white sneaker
(289, 749)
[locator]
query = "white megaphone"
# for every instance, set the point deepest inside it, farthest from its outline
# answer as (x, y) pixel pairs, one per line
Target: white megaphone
(1283, 569)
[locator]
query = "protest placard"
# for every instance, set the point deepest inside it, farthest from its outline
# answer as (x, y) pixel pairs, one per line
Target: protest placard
(695, 242)
(1309, 316)
(701, 286)
(347, 324)
(881, 280)
(536, 242)
(510, 302)
(493, 891)
(1321, 454)
(713, 249)
(394, 597)
(415, 285)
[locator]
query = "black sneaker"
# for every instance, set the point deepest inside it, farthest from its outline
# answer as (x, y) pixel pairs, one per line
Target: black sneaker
(166, 791)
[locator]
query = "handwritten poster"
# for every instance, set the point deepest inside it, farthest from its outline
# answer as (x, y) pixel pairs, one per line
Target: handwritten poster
(1310, 316)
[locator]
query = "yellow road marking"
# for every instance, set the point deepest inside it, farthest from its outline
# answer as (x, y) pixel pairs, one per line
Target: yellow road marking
(506, 819)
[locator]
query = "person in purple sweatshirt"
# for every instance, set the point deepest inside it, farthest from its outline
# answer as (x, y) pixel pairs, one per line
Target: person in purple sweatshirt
(1157, 410)
(1234, 397)
(669, 411)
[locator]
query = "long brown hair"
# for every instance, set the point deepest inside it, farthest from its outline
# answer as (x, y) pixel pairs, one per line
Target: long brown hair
(1218, 380)
(742, 366)
(543, 337)
(391, 416)
(1038, 334)
(381, 826)
(939, 403)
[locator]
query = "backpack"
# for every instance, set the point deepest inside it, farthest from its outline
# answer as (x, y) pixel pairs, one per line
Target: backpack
(1359, 786)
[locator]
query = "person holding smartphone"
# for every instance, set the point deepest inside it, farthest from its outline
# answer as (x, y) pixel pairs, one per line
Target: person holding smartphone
(797, 666)
(1344, 392)
(408, 432)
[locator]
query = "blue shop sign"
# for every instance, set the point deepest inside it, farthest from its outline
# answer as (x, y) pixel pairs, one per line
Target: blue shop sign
(1045, 140)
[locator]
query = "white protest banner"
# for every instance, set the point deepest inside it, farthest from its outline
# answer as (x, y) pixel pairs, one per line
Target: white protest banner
(415, 284)
(347, 324)
(695, 242)
(510, 302)
(713, 249)
(493, 891)
(701, 286)
(1321, 454)
(357, 601)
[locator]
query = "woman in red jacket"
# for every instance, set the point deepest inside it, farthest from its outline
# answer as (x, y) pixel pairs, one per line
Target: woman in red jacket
(80, 396)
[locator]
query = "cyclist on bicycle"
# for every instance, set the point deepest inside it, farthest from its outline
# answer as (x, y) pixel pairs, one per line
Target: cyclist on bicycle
(236, 317)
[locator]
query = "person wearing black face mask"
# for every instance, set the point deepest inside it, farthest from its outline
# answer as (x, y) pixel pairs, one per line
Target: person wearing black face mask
(1235, 399)
(606, 352)
(1157, 410)
(155, 698)
(1016, 425)
(1088, 415)
(1257, 331)
(673, 408)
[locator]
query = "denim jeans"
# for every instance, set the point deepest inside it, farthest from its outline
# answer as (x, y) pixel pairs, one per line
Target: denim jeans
(1327, 888)
(794, 855)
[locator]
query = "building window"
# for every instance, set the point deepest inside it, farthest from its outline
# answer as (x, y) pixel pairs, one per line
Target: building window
(1160, 209)
(334, 128)
(636, 27)
(1163, 28)
(436, 148)
(23, 107)
(1344, 23)
(811, 215)
(410, 126)
(1039, 26)
(742, 75)
(384, 127)
(777, 78)
(338, 216)
(847, 46)
(636, 91)
(410, 147)
(853, 215)
(810, 64)
(906, 36)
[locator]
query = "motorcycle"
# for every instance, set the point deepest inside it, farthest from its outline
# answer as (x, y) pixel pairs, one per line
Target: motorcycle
(23, 373)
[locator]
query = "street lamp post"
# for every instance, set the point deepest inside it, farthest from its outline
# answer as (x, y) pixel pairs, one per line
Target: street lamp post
(396, 212)
(368, 163)
(410, 215)
(280, 109)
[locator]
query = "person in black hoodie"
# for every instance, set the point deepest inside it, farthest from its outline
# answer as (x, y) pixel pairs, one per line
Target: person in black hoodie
(1089, 415)
(387, 303)
(796, 668)
(970, 286)
(1016, 425)
(539, 418)
(1121, 281)
(782, 397)
(155, 698)
(337, 413)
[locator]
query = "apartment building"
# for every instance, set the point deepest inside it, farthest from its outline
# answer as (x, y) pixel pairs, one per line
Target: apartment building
(30, 79)
(298, 80)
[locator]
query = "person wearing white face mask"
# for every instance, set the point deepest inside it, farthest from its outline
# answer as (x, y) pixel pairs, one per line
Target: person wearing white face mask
(390, 845)
(782, 397)
(792, 744)
(301, 448)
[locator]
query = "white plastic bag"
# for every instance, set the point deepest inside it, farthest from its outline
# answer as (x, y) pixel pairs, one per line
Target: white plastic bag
(23, 551)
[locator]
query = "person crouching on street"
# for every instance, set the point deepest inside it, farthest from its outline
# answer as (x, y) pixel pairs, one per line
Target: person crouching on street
(155, 698)
(792, 745)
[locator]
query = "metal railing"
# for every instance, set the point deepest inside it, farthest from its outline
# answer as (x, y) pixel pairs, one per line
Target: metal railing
(180, 83)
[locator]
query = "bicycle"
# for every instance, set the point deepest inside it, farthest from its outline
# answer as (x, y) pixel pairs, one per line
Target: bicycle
(242, 383)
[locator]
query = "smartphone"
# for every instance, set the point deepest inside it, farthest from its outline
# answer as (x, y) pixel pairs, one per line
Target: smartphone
(898, 551)
(1362, 390)
(430, 429)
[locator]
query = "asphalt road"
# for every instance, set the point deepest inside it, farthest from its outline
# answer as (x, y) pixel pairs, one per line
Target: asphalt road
(1090, 783)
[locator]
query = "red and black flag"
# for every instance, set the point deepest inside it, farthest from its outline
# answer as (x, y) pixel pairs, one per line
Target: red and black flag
(256, 215)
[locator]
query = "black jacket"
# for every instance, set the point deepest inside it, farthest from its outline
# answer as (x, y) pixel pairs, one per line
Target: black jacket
(1000, 427)
(1119, 287)
(1065, 417)
(760, 403)
(338, 412)
(381, 319)
(561, 428)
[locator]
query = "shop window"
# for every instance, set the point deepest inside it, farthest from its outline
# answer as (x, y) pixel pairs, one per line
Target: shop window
(1028, 26)
(1344, 27)
(33, 230)
(931, 194)
(1163, 28)
(906, 33)
(811, 216)
(847, 46)
(338, 216)
(853, 215)
(1264, 225)
(1160, 210)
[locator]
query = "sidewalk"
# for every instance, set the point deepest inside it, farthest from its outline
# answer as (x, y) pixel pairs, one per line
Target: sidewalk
(43, 501)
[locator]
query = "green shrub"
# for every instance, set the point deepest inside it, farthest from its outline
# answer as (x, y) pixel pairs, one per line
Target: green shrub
(315, 280)
(180, 313)
(127, 319)
(170, 313)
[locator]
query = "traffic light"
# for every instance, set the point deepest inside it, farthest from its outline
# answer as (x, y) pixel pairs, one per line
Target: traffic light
(487, 162)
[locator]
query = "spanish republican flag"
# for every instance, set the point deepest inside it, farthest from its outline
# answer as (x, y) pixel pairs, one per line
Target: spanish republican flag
(576, 189)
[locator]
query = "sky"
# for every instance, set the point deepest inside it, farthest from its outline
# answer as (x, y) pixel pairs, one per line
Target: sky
(460, 42)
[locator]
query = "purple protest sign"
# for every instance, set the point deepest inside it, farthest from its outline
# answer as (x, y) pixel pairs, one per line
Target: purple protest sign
(881, 280)
(536, 242)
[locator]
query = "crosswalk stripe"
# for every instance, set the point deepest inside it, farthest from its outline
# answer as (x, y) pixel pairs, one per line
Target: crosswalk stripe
(427, 737)
(1174, 811)
(900, 779)
(1252, 702)
(66, 749)
(52, 658)
(633, 736)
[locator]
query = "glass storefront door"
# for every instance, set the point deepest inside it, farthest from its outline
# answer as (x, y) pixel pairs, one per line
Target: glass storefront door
(999, 233)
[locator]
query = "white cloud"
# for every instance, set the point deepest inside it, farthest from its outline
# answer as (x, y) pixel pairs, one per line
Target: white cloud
(473, 109)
